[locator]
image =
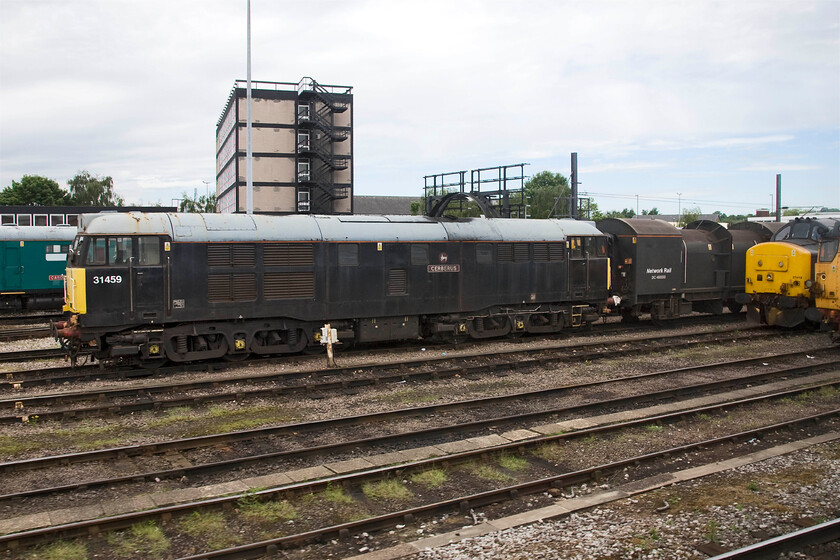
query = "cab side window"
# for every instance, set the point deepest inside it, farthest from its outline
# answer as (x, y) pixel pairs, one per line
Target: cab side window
(148, 251)
(828, 249)
(96, 251)
(119, 250)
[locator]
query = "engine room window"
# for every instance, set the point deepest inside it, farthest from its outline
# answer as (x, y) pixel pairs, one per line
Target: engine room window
(484, 253)
(348, 254)
(148, 251)
(420, 254)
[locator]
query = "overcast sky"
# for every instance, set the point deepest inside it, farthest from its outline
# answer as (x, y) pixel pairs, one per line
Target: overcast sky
(707, 99)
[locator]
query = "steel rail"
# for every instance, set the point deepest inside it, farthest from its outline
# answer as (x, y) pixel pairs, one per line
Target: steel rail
(64, 375)
(27, 355)
(147, 401)
(464, 503)
(428, 433)
(791, 542)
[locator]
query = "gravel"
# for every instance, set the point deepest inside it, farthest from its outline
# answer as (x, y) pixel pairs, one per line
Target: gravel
(732, 509)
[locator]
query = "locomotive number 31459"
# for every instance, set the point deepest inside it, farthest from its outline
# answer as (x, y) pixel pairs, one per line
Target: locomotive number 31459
(113, 279)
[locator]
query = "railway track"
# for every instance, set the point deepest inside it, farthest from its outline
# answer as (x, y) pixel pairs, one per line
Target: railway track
(150, 396)
(386, 516)
(477, 417)
(31, 355)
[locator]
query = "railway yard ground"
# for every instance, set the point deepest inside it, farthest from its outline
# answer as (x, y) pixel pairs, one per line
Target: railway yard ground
(682, 440)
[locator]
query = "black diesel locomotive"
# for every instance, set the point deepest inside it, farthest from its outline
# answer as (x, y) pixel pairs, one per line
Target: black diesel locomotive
(144, 288)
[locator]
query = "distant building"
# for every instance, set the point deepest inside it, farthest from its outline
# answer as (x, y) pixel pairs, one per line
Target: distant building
(302, 142)
(63, 215)
(386, 205)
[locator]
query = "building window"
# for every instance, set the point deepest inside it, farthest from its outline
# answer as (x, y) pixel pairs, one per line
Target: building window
(303, 141)
(303, 170)
(40, 219)
(7, 219)
(303, 200)
(72, 219)
(56, 219)
(24, 220)
(303, 112)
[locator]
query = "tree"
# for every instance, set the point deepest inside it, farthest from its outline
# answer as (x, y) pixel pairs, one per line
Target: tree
(547, 195)
(197, 203)
(626, 213)
(791, 212)
(652, 212)
(689, 215)
(88, 190)
(34, 190)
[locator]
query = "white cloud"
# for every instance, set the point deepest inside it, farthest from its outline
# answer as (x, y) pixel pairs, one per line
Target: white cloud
(135, 88)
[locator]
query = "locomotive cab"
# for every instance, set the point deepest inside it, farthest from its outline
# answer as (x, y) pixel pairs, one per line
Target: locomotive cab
(780, 273)
(827, 282)
(126, 278)
(116, 271)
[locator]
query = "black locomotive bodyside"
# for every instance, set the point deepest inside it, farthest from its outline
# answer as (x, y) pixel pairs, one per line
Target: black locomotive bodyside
(196, 296)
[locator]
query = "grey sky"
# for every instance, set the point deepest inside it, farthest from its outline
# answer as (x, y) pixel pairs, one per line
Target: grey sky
(708, 99)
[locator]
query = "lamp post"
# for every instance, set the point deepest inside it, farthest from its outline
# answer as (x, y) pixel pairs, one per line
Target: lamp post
(679, 205)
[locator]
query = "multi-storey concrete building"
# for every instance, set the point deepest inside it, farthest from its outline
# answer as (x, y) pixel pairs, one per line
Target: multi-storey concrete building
(302, 143)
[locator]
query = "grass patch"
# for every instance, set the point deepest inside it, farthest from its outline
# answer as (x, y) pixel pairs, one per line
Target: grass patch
(409, 396)
(489, 473)
(337, 495)
(390, 489)
(60, 550)
(218, 419)
(174, 416)
(430, 479)
(654, 428)
(12, 446)
(551, 452)
(513, 462)
(145, 539)
(210, 526)
(264, 513)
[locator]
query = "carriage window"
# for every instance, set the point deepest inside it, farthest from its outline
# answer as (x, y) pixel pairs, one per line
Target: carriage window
(148, 251)
(348, 254)
(828, 249)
